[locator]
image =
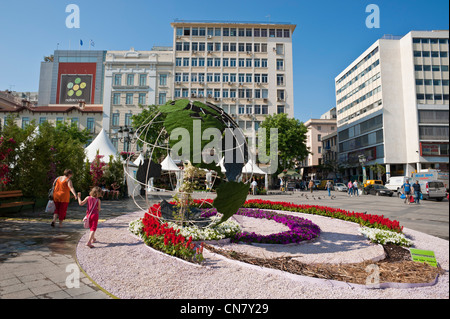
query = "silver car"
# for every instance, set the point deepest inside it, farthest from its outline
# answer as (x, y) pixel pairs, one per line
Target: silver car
(340, 187)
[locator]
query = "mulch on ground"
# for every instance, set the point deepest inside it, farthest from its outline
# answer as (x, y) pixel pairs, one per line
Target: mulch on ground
(397, 267)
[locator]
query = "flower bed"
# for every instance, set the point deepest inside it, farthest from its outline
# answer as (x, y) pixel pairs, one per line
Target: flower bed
(381, 236)
(164, 238)
(300, 229)
(227, 229)
(367, 220)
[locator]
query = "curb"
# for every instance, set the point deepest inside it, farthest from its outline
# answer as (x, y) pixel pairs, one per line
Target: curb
(325, 282)
(92, 280)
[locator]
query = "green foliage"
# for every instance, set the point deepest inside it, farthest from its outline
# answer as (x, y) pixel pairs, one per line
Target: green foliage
(86, 180)
(230, 197)
(37, 156)
(73, 131)
(179, 115)
(114, 171)
(151, 135)
(291, 139)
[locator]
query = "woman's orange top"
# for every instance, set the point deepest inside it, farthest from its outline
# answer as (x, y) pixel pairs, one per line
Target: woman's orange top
(61, 193)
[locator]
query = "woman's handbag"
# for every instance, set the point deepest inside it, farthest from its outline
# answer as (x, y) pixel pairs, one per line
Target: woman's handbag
(50, 208)
(51, 190)
(86, 219)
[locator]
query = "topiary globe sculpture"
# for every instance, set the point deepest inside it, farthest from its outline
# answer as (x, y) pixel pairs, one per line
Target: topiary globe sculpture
(200, 135)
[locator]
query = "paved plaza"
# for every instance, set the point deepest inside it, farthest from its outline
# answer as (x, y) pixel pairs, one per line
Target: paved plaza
(38, 261)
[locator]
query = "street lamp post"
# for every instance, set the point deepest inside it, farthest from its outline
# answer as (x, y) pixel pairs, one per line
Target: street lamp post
(126, 136)
(362, 161)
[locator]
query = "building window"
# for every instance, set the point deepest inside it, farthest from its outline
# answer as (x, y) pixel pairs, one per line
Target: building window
(129, 98)
(74, 121)
(25, 122)
(280, 79)
(58, 120)
(280, 109)
(257, 109)
(142, 79)
(280, 48)
(90, 124)
(142, 98)
(264, 63)
(177, 93)
(265, 109)
(186, 46)
(163, 79)
(280, 64)
(319, 137)
(130, 79)
(128, 119)
(264, 78)
(115, 119)
(116, 98)
(41, 120)
(118, 79)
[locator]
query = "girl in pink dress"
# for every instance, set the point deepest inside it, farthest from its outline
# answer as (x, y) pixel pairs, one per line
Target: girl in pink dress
(92, 211)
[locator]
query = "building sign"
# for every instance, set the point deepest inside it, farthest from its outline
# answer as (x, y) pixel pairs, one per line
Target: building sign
(75, 88)
(430, 149)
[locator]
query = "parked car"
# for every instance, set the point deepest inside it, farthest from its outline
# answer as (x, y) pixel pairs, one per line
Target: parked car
(378, 190)
(340, 187)
(373, 181)
(433, 190)
(395, 183)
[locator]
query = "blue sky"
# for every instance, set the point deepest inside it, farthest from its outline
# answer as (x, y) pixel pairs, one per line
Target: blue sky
(329, 35)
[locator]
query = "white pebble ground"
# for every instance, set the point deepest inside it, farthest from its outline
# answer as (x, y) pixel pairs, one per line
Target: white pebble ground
(121, 264)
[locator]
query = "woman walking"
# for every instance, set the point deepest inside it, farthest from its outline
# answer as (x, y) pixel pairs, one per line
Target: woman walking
(61, 196)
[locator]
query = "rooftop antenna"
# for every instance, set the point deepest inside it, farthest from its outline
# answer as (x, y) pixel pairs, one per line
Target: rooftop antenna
(11, 86)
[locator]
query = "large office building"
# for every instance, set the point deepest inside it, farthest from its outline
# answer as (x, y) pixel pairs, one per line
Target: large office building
(72, 76)
(244, 68)
(392, 105)
(134, 78)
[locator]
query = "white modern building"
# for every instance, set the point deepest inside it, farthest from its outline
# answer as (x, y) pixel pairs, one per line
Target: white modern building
(392, 105)
(246, 68)
(134, 78)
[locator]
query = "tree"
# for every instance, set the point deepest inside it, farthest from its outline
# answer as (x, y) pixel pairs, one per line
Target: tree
(291, 139)
(152, 135)
(38, 156)
(72, 129)
(379, 169)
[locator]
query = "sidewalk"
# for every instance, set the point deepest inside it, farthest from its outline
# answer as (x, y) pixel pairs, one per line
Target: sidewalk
(36, 260)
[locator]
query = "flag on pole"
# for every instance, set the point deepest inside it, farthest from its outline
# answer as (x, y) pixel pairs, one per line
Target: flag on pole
(92, 43)
(81, 42)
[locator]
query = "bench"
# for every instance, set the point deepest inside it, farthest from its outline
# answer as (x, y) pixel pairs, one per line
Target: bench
(16, 203)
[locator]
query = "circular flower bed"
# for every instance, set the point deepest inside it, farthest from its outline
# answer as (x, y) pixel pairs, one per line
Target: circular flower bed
(300, 229)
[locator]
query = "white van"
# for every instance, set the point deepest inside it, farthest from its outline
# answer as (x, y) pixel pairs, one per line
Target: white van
(395, 183)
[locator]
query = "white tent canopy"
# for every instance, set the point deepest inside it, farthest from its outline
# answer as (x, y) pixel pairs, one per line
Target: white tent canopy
(250, 168)
(139, 160)
(169, 165)
(103, 144)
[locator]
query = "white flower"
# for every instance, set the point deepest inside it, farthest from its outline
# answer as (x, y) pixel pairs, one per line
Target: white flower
(381, 236)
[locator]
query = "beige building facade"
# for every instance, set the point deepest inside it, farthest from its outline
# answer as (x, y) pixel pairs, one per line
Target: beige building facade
(134, 78)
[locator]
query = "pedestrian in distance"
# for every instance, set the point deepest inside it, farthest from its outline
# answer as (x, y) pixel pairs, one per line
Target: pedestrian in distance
(254, 185)
(417, 191)
(329, 188)
(92, 212)
(61, 196)
(406, 187)
(311, 185)
(355, 188)
(350, 189)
